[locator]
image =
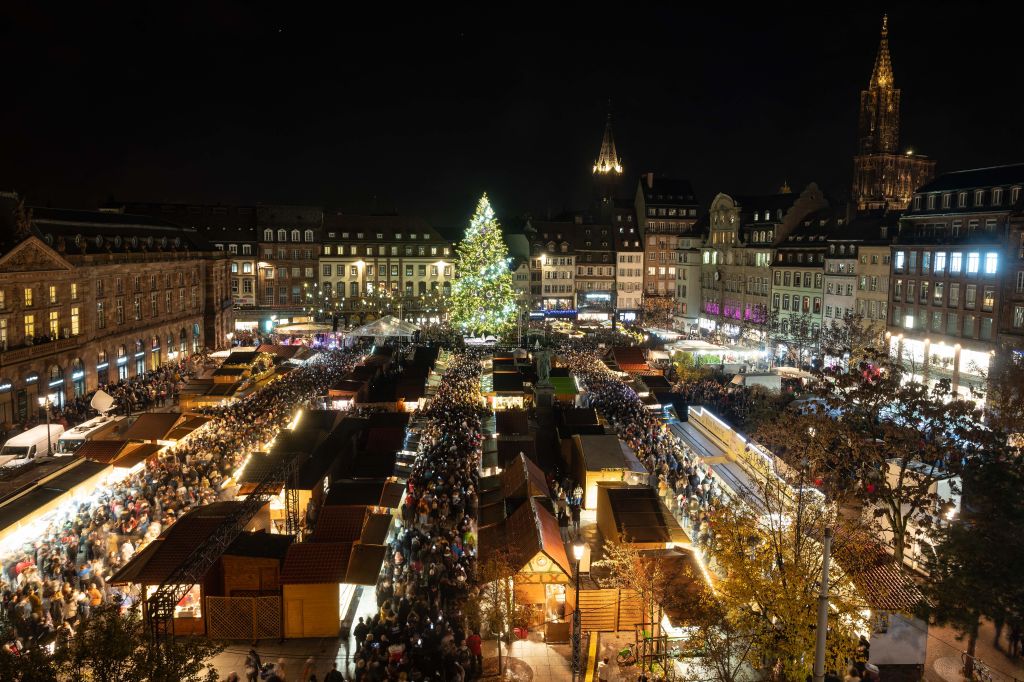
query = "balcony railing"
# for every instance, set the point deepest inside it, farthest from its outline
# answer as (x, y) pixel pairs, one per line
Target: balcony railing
(37, 350)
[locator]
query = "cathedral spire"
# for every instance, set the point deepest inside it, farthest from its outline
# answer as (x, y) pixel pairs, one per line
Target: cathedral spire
(608, 161)
(881, 76)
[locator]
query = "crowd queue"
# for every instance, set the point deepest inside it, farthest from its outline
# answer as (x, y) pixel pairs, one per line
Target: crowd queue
(50, 584)
(418, 630)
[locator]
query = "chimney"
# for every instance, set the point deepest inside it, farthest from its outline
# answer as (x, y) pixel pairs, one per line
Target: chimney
(650, 180)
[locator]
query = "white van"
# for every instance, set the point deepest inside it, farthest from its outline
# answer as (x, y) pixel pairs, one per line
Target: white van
(29, 445)
(97, 427)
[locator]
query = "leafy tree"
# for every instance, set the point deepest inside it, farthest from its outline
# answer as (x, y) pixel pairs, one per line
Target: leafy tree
(483, 299)
(115, 647)
(497, 608)
(885, 443)
(765, 552)
(720, 650)
(975, 571)
(687, 368)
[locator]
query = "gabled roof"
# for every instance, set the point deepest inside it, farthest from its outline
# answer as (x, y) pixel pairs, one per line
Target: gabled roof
(389, 226)
(339, 524)
(104, 451)
(153, 426)
(523, 478)
(874, 573)
(260, 545)
(662, 190)
(530, 529)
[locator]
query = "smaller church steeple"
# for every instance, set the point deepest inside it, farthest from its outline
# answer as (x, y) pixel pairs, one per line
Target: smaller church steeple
(608, 161)
(881, 76)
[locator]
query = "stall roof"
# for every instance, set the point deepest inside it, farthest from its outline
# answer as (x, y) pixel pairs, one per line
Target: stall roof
(512, 423)
(698, 346)
(191, 423)
(347, 386)
(630, 359)
(384, 439)
(375, 529)
(528, 530)
(159, 559)
(523, 478)
(509, 450)
(153, 426)
(387, 326)
(578, 415)
(657, 383)
(245, 357)
(364, 564)
(260, 544)
(104, 451)
(280, 350)
(377, 492)
(388, 419)
(230, 371)
(316, 562)
(639, 515)
(339, 524)
(607, 452)
(564, 385)
(508, 382)
(874, 572)
(140, 453)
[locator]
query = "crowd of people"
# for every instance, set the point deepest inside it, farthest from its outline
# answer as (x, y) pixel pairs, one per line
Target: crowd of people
(687, 486)
(50, 583)
(418, 630)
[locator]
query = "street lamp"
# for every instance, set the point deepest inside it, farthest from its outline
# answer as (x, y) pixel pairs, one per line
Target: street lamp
(578, 548)
(44, 402)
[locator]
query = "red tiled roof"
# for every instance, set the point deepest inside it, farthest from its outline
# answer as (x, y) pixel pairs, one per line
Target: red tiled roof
(155, 563)
(316, 562)
(528, 530)
(874, 573)
(339, 524)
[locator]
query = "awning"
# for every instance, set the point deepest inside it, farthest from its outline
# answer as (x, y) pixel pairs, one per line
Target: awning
(364, 564)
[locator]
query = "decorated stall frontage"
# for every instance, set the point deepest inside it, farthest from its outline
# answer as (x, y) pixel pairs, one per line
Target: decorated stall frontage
(534, 558)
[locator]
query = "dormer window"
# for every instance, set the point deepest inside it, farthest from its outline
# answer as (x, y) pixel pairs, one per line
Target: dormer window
(1014, 195)
(946, 197)
(931, 202)
(979, 197)
(961, 200)
(917, 203)
(997, 196)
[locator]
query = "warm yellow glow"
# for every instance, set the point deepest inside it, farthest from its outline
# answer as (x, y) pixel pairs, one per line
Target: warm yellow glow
(295, 422)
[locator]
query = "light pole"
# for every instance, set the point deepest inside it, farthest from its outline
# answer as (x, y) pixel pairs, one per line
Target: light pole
(44, 402)
(578, 548)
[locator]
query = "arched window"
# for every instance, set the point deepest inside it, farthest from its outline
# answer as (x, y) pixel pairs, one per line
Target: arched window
(101, 357)
(268, 235)
(295, 235)
(309, 235)
(282, 235)
(122, 351)
(139, 346)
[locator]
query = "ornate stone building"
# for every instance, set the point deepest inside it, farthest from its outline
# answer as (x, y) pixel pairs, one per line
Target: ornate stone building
(88, 297)
(883, 176)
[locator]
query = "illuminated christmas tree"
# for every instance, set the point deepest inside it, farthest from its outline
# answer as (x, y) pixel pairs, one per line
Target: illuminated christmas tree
(483, 300)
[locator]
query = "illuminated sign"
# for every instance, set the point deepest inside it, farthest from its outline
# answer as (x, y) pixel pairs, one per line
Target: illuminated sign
(31, 378)
(75, 376)
(56, 382)
(122, 360)
(4, 387)
(140, 354)
(103, 365)
(560, 313)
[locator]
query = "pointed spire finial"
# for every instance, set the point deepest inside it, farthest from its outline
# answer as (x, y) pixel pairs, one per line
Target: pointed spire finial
(608, 161)
(881, 76)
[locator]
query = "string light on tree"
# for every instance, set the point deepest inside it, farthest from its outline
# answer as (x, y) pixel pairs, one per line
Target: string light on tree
(483, 300)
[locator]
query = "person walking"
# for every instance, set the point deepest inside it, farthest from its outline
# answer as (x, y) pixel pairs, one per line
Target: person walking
(563, 525)
(252, 666)
(475, 645)
(602, 671)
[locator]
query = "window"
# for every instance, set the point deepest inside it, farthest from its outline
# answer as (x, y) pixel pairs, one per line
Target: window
(912, 262)
(101, 315)
(1018, 316)
(30, 326)
(28, 297)
(137, 308)
(167, 301)
(926, 262)
(1014, 195)
(246, 249)
(119, 311)
(282, 235)
(961, 199)
(937, 322)
(775, 301)
(979, 197)
(954, 295)
(973, 260)
(900, 259)
(970, 296)
(945, 200)
(940, 262)
(897, 289)
(309, 235)
(268, 235)
(924, 291)
(910, 291)
(74, 321)
(295, 236)
(234, 268)
(817, 280)
(785, 301)
(955, 262)
(988, 299)
(991, 262)
(1020, 282)
(937, 297)
(874, 283)
(985, 332)
(154, 304)
(233, 248)
(54, 324)
(828, 311)
(326, 269)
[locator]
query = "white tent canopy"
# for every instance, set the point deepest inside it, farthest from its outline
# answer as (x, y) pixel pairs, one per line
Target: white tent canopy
(303, 328)
(387, 326)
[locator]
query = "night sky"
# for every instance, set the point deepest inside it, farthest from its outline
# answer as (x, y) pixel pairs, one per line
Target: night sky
(422, 112)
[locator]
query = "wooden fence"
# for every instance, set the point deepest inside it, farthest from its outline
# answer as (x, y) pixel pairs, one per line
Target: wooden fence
(249, 618)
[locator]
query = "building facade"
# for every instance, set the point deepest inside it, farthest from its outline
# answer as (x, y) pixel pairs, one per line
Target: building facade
(231, 229)
(738, 253)
(594, 247)
(289, 245)
(666, 210)
(553, 260)
(957, 278)
(883, 176)
(798, 287)
(375, 265)
(629, 273)
(91, 297)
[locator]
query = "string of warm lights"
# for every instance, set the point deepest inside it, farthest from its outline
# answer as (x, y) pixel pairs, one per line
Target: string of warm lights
(483, 298)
